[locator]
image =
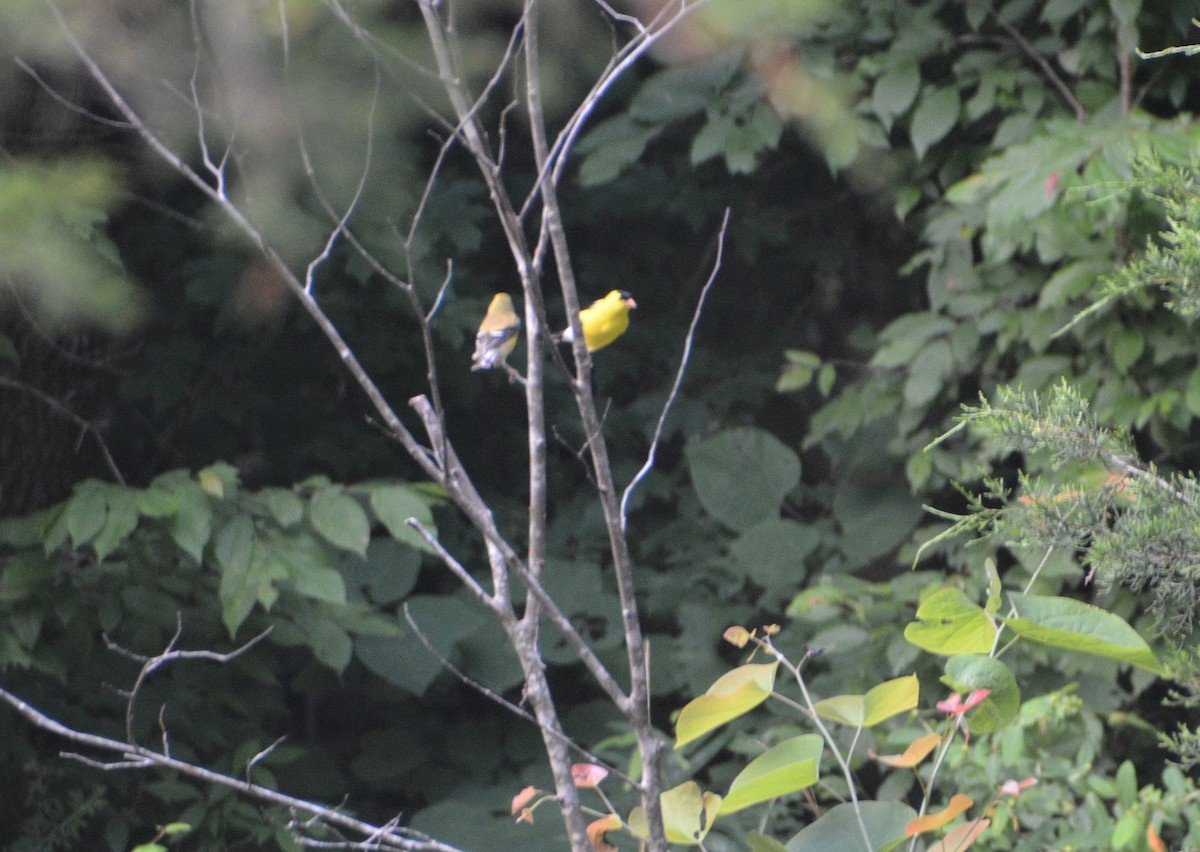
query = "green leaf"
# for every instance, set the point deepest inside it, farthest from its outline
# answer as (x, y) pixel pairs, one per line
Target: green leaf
(741, 475)
(284, 505)
(880, 703)
(1127, 346)
(393, 505)
(340, 520)
(950, 623)
(968, 672)
(688, 814)
(86, 513)
(895, 92)
(612, 147)
(1076, 626)
(933, 118)
(390, 571)
(682, 90)
(405, 662)
(773, 552)
(329, 642)
(242, 571)
(874, 517)
(838, 829)
(785, 768)
(122, 519)
(734, 694)
(191, 525)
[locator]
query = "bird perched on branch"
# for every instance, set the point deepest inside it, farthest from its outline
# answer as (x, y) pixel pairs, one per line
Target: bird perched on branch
(604, 320)
(497, 335)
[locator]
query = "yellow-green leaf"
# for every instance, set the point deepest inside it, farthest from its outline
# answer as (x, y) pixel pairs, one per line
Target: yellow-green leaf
(1075, 626)
(785, 768)
(948, 622)
(733, 694)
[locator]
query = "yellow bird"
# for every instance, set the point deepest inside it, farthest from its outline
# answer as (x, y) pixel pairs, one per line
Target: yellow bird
(497, 335)
(604, 320)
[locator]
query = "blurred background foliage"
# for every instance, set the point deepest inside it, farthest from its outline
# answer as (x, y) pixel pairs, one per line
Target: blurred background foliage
(923, 194)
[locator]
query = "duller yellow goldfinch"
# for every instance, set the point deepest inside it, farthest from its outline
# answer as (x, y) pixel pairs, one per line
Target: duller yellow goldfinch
(604, 320)
(497, 335)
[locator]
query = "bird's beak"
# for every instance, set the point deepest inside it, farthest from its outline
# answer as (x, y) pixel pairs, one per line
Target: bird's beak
(630, 302)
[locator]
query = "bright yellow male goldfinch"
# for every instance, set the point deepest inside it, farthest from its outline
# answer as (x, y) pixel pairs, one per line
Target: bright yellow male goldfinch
(497, 335)
(604, 320)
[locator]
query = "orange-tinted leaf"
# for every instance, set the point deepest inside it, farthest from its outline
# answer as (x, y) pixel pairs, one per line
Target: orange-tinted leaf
(523, 798)
(587, 775)
(960, 838)
(914, 754)
(601, 827)
(737, 636)
(959, 803)
(1154, 841)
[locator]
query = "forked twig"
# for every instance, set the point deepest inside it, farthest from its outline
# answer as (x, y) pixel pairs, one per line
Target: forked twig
(679, 374)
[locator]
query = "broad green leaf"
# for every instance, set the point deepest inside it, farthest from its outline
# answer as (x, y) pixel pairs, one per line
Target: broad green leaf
(933, 118)
(303, 561)
(682, 90)
(772, 552)
(121, 521)
(734, 694)
(838, 829)
(390, 571)
(881, 702)
(875, 517)
(157, 502)
(86, 513)
(969, 672)
(785, 768)
(615, 145)
(329, 642)
(191, 525)
(688, 814)
(242, 578)
(847, 710)
(340, 520)
(233, 544)
(895, 92)
(284, 505)
(741, 475)
(405, 661)
(950, 623)
(890, 698)
(1076, 626)
(394, 505)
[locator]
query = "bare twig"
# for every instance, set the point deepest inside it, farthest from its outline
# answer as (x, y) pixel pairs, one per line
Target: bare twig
(683, 363)
(137, 757)
(60, 408)
(494, 696)
(1044, 65)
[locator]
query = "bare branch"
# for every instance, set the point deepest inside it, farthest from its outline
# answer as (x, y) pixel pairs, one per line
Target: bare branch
(60, 408)
(1045, 67)
(683, 363)
(66, 102)
(456, 567)
(137, 757)
(515, 709)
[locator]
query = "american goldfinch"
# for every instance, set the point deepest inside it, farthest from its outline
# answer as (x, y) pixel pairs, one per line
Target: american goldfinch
(497, 335)
(604, 320)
